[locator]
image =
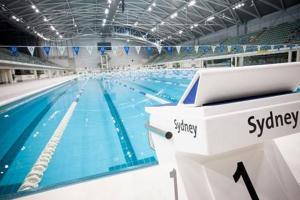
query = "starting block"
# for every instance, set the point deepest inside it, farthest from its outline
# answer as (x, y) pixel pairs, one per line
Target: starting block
(222, 131)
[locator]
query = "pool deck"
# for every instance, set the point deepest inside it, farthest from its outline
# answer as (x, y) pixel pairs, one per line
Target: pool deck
(16, 91)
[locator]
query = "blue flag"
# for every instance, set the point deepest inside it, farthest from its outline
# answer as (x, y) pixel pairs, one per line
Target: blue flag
(126, 48)
(188, 49)
(47, 50)
(14, 50)
(149, 50)
(76, 50)
(102, 50)
(169, 50)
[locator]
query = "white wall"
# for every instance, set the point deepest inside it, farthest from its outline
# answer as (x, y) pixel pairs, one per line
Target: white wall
(84, 59)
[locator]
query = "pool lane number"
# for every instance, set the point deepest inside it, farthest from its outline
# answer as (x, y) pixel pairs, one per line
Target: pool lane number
(242, 172)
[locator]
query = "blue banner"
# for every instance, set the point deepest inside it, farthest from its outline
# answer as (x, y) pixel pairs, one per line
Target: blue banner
(14, 50)
(149, 51)
(76, 50)
(102, 50)
(126, 48)
(47, 50)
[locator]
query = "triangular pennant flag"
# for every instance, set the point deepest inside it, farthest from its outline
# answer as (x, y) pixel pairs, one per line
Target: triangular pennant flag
(13, 50)
(196, 48)
(159, 48)
(126, 49)
(114, 50)
(213, 48)
(244, 48)
(76, 50)
(47, 50)
(89, 49)
(138, 49)
(258, 47)
(61, 50)
(178, 49)
(149, 50)
(31, 50)
(188, 49)
(169, 50)
(102, 50)
(229, 48)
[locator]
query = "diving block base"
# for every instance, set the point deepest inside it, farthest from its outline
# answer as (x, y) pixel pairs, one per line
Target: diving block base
(212, 177)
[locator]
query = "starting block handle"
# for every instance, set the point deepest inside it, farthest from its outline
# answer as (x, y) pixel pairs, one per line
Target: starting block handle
(167, 134)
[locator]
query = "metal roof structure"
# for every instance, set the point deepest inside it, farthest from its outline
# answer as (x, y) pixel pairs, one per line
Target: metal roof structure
(157, 21)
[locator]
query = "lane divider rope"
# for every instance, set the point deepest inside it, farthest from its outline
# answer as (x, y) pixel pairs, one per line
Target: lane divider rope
(34, 177)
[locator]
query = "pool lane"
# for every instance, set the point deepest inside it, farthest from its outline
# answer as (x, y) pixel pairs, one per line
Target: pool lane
(26, 130)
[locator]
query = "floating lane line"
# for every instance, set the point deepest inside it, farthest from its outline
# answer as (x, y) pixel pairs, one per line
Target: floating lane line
(149, 96)
(34, 177)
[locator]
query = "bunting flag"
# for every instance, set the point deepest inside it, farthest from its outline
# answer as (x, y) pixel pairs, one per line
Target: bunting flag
(196, 48)
(138, 49)
(229, 48)
(89, 49)
(159, 48)
(31, 50)
(47, 50)
(61, 50)
(126, 49)
(149, 51)
(102, 50)
(272, 47)
(14, 50)
(188, 49)
(169, 50)
(76, 50)
(244, 48)
(258, 47)
(114, 50)
(213, 48)
(178, 49)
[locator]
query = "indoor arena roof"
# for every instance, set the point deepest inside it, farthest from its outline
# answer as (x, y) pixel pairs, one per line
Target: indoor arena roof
(164, 21)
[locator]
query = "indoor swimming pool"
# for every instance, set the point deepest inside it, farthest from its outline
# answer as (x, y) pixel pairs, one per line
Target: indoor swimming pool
(105, 135)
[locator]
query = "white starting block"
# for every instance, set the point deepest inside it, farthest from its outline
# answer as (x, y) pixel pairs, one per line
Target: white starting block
(223, 129)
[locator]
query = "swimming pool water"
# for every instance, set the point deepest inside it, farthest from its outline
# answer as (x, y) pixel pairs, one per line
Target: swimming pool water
(105, 135)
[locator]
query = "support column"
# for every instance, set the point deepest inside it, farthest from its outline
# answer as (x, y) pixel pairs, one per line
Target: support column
(35, 74)
(235, 61)
(298, 56)
(10, 78)
(231, 62)
(241, 61)
(290, 56)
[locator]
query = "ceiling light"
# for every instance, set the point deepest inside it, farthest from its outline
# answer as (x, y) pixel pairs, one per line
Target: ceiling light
(57, 33)
(150, 9)
(193, 2)
(174, 15)
(106, 11)
(180, 32)
(162, 23)
(210, 18)
(154, 4)
(109, 1)
(37, 10)
(52, 28)
(28, 27)
(238, 5)
(136, 23)
(17, 19)
(33, 7)
(192, 26)
(45, 19)
(14, 17)
(153, 29)
(195, 25)
(60, 36)
(75, 25)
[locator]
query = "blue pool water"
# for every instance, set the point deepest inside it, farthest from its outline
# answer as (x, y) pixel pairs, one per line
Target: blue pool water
(105, 135)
